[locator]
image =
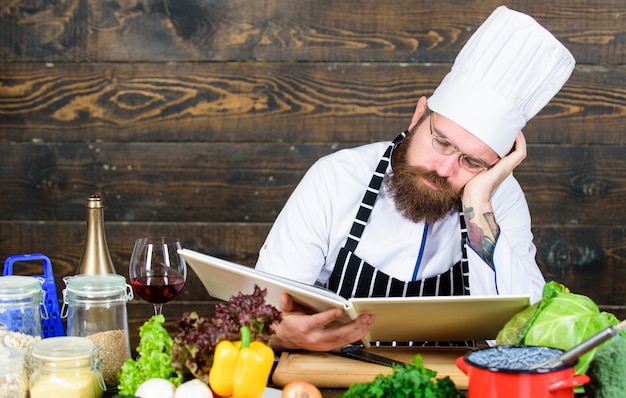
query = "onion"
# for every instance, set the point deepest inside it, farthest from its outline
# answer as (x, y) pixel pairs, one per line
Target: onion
(195, 388)
(156, 388)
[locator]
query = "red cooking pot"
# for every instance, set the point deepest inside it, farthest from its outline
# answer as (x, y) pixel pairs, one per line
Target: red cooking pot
(504, 372)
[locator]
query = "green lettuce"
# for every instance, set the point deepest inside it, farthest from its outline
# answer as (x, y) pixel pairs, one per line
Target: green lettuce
(154, 359)
(561, 319)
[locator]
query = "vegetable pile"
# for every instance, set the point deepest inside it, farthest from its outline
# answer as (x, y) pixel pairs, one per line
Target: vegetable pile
(561, 319)
(163, 361)
(410, 381)
(194, 345)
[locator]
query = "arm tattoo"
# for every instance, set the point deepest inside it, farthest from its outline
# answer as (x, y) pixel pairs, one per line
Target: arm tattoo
(483, 244)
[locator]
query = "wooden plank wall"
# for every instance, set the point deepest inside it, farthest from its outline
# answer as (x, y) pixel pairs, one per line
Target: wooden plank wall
(196, 118)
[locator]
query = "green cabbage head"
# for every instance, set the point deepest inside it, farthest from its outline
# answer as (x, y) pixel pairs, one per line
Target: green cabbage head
(561, 319)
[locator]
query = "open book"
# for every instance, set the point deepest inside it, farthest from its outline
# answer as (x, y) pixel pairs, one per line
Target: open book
(441, 318)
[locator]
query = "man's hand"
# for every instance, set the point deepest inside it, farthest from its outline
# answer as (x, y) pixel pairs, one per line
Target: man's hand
(483, 229)
(316, 332)
(481, 186)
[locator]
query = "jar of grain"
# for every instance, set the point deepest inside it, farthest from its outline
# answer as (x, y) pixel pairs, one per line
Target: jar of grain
(21, 303)
(67, 367)
(95, 308)
(13, 381)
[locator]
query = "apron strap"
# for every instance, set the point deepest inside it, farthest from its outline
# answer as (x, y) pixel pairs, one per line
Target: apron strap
(367, 204)
(464, 260)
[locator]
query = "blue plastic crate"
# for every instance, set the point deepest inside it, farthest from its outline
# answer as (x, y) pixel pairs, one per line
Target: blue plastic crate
(52, 325)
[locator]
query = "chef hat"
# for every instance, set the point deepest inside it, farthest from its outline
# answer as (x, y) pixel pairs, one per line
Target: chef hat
(507, 72)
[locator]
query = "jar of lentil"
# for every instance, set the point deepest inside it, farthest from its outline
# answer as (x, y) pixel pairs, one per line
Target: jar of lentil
(95, 308)
(13, 380)
(67, 367)
(21, 303)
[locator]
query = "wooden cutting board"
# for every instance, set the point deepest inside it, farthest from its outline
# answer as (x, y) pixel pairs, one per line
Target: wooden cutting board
(327, 370)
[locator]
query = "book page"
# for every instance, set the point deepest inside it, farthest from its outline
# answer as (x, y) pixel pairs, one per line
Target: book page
(439, 318)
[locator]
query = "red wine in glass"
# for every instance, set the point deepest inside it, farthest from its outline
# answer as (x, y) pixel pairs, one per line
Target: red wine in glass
(157, 272)
(158, 290)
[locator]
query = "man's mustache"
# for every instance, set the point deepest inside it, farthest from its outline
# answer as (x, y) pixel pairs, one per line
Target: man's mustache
(437, 180)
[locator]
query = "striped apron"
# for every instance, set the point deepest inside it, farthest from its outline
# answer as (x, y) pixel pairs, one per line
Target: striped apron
(353, 277)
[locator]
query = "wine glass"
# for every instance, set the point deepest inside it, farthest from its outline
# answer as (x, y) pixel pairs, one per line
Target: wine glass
(157, 272)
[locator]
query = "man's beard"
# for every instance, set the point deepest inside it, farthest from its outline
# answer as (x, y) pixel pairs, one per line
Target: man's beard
(414, 199)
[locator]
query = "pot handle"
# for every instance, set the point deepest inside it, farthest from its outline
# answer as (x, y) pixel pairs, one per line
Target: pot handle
(575, 381)
(461, 364)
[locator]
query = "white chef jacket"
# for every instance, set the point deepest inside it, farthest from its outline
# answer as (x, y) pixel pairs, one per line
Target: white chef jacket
(307, 235)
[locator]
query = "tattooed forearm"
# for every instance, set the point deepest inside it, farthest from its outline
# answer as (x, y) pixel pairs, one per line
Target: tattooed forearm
(483, 237)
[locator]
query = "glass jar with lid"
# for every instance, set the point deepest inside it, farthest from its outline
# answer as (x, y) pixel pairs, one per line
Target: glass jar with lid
(95, 308)
(21, 304)
(67, 367)
(13, 380)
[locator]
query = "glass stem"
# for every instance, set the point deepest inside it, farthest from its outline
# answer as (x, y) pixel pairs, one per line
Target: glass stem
(158, 309)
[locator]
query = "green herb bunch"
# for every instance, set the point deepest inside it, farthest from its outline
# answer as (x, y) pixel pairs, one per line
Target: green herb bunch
(410, 381)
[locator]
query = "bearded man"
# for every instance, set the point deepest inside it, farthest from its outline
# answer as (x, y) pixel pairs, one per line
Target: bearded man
(436, 211)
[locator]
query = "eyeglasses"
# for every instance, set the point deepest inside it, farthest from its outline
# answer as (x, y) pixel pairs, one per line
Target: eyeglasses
(442, 145)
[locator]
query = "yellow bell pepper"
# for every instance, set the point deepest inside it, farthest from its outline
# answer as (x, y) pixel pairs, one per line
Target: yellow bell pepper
(241, 369)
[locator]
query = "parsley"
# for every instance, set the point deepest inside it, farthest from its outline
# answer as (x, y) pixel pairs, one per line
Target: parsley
(410, 381)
